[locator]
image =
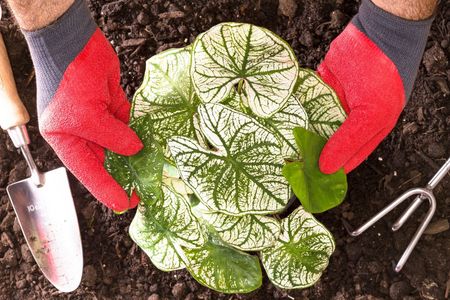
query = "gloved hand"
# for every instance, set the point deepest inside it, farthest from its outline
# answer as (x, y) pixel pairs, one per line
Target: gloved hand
(81, 105)
(372, 66)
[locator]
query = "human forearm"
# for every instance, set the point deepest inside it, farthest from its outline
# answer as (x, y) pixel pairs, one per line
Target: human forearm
(408, 9)
(35, 14)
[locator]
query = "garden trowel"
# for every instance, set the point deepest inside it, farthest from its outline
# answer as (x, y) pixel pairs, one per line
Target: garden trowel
(43, 203)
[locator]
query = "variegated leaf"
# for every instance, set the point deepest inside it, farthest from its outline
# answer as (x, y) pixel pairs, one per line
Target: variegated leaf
(260, 63)
(321, 103)
(140, 173)
(247, 233)
(162, 228)
(301, 253)
(284, 121)
(281, 123)
(166, 98)
(243, 175)
(223, 268)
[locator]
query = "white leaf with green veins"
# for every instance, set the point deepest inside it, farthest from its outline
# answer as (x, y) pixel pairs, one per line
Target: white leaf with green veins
(247, 233)
(284, 121)
(162, 228)
(223, 268)
(262, 64)
(321, 103)
(244, 174)
(166, 97)
(291, 115)
(301, 253)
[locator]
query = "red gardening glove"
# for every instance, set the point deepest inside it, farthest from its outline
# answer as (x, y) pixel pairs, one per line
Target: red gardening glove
(89, 113)
(371, 92)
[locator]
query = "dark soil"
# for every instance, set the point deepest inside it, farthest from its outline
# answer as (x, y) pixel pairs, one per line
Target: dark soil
(360, 268)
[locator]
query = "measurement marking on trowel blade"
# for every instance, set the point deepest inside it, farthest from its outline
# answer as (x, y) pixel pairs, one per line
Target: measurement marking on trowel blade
(34, 207)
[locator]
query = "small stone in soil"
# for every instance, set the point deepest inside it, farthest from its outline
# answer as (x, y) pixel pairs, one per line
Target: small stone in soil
(153, 297)
(190, 296)
(306, 39)
(384, 286)
(338, 19)
(179, 290)
(90, 275)
(9, 259)
(399, 289)
(112, 8)
(88, 211)
(171, 15)
(410, 128)
(436, 150)
(287, 8)
(375, 267)
(435, 60)
(20, 284)
(443, 86)
(183, 29)
(153, 288)
(6, 240)
(444, 44)
(143, 19)
(7, 222)
(107, 280)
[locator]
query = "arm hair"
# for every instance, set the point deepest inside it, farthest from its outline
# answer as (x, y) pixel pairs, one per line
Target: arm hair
(408, 9)
(35, 14)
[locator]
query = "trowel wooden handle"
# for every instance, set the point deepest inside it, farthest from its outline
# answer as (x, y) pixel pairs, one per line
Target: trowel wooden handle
(12, 111)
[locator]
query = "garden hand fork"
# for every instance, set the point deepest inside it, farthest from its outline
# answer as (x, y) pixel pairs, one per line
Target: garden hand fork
(421, 195)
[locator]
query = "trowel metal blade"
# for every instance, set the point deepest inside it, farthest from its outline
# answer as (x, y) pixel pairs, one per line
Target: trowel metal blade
(49, 223)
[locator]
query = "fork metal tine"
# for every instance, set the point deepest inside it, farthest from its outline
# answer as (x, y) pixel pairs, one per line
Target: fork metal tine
(421, 195)
(408, 212)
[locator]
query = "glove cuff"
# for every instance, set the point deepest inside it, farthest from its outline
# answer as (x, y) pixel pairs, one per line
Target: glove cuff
(403, 41)
(54, 47)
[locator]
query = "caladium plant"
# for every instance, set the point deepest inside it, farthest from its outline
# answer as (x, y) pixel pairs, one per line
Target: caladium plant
(231, 125)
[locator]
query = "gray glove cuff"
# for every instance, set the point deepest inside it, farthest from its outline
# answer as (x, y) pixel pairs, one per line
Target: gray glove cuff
(54, 47)
(403, 41)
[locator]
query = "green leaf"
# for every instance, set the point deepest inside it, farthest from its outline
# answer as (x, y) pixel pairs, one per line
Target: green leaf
(247, 233)
(301, 253)
(258, 62)
(166, 98)
(316, 191)
(321, 103)
(224, 269)
(243, 174)
(141, 172)
(162, 228)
